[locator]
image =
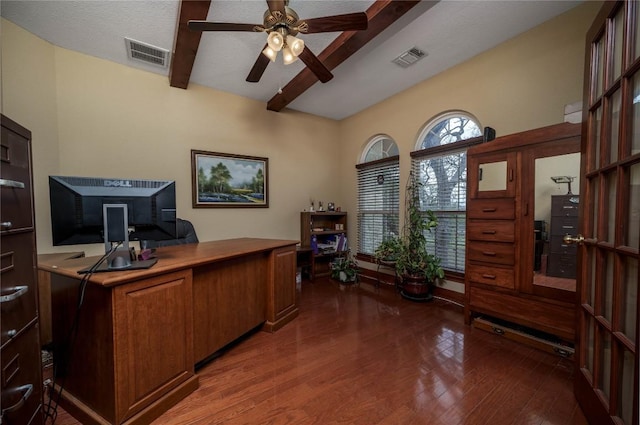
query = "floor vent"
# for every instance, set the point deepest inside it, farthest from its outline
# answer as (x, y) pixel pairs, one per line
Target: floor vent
(147, 53)
(409, 57)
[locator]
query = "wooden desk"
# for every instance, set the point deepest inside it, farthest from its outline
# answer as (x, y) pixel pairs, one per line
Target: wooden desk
(140, 332)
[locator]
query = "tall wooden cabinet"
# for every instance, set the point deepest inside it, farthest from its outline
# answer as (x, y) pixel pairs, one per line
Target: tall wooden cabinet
(509, 193)
(324, 227)
(20, 351)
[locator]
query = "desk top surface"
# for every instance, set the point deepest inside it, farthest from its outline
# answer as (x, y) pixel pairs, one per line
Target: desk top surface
(171, 258)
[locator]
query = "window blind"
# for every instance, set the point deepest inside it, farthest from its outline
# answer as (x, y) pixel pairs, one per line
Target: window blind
(378, 203)
(444, 191)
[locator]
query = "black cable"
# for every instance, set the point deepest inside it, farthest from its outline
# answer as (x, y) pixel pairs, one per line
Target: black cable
(51, 412)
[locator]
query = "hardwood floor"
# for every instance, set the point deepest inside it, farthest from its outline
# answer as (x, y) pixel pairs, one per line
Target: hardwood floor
(360, 355)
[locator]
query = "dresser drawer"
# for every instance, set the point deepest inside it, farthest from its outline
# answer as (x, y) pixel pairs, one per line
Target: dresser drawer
(492, 209)
(492, 252)
(15, 186)
(491, 230)
(22, 379)
(18, 282)
(565, 205)
(564, 225)
(495, 276)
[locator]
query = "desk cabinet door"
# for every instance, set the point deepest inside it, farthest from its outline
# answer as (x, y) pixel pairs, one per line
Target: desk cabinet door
(282, 303)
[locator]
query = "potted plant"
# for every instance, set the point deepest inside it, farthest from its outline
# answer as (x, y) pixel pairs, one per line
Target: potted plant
(417, 268)
(388, 250)
(344, 268)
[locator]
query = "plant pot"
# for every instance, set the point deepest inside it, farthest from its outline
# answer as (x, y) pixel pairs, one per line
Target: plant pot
(416, 288)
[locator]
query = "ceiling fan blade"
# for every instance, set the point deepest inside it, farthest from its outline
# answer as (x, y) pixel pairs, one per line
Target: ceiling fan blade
(258, 68)
(314, 64)
(221, 26)
(349, 22)
(276, 5)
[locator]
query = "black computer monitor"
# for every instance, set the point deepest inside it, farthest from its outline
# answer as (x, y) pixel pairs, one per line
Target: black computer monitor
(77, 208)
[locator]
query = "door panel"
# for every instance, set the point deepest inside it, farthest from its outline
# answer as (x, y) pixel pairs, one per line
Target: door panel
(606, 384)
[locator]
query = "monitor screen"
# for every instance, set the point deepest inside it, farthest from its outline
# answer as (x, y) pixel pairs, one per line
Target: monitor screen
(77, 208)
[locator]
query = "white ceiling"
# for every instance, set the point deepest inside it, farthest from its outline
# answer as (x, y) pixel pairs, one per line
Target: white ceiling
(450, 32)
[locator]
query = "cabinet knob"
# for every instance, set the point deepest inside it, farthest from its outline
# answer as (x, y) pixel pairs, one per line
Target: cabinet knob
(578, 240)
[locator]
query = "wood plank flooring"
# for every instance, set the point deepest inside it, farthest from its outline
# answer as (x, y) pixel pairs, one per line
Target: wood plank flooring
(360, 355)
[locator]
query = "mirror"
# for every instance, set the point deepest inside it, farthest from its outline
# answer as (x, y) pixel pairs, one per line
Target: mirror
(556, 204)
(492, 176)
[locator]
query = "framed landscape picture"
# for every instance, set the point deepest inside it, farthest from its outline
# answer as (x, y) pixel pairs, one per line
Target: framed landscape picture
(228, 181)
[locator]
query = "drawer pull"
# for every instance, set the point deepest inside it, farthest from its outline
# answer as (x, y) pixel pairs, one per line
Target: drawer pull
(489, 276)
(6, 225)
(12, 333)
(18, 292)
(26, 391)
(11, 183)
(489, 253)
(568, 227)
(488, 210)
(498, 331)
(488, 232)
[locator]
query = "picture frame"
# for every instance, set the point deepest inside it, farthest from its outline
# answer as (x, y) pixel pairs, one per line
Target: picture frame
(222, 180)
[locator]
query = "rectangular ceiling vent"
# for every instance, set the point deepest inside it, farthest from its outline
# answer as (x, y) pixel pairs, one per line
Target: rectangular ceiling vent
(147, 53)
(409, 57)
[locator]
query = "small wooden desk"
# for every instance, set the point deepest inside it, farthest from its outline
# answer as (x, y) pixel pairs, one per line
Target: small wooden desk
(140, 332)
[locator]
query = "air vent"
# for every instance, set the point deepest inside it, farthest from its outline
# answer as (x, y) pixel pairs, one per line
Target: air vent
(409, 57)
(147, 53)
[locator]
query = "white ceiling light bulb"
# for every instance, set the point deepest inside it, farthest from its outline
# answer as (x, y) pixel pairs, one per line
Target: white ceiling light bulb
(275, 41)
(287, 56)
(270, 53)
(295, 44)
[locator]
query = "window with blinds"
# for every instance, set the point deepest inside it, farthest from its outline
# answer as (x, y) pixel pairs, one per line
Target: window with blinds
(378, 203)
(441, 166)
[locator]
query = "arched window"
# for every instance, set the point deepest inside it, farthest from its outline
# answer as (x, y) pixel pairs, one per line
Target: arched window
(378, 193)
(441, 165)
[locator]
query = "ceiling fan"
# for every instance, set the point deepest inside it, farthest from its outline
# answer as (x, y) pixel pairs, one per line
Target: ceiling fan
(282, 24)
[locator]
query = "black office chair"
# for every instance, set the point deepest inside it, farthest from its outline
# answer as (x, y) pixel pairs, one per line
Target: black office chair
(185, 233)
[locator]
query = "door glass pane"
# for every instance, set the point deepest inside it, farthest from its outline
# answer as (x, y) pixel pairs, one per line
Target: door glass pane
(625, 389)
(618, 23)
(635, 121)
(607, 301)
(633, 223)
(611, 206)
(628, 303)
(599, 46)
(589, 346)
(604, 377)
(596, 199)
(637, 31)
(616, 101)
(595, 145)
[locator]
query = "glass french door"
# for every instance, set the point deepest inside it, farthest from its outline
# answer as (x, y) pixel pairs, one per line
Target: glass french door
(606, 381)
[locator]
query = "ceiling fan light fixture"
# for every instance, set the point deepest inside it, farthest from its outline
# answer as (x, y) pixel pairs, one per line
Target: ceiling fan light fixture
(295, 44)
(287, 56)
(275, 40)
(270, 53)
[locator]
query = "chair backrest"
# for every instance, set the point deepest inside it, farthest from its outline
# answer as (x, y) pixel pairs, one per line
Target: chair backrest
(186, 234)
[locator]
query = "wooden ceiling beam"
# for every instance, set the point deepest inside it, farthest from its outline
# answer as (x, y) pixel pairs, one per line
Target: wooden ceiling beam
(380, 15)
(186, 43)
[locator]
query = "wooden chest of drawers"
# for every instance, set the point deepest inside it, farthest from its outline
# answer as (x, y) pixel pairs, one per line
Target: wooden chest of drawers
(20, 344)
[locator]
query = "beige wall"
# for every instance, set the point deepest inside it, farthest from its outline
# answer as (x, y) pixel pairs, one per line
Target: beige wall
(115, 121)
(519, 85)
(93, 117)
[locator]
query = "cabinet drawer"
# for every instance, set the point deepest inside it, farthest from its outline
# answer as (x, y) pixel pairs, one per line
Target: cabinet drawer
(15, 186)
(492, 252)
(496, 276)
(557, 246)
(564, 225)
(491, 230)
(21, 378)
(18, 282)
(565, 205)
(492, 209)
(562, 266)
